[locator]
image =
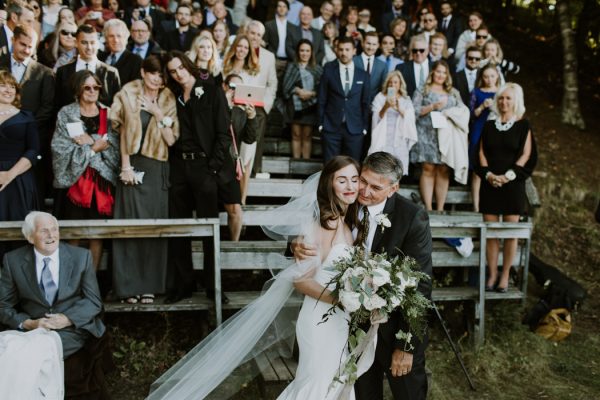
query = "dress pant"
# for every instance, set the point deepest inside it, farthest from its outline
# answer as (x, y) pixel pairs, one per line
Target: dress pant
(193, 188)
(342, 143)
(407, 387)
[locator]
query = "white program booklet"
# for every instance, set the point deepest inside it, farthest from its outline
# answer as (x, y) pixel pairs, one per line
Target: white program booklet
(438, 120)
(75, 129)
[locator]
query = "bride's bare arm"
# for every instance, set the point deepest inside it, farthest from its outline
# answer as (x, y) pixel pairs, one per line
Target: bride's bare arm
(312, 288)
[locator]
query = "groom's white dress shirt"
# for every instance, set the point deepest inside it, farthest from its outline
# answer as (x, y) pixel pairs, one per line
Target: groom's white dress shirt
(373, 212)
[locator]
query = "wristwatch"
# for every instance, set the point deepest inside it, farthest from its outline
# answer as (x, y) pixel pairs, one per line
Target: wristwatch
(510, 175)
(166, 122)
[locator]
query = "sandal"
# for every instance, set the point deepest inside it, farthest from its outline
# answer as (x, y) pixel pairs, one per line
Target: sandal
(147, 299)
(131, 300)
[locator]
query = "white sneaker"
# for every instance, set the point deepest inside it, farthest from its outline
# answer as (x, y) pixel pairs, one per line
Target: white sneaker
(466, 247)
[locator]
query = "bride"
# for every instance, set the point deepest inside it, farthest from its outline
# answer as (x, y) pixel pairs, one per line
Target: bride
(322, 215)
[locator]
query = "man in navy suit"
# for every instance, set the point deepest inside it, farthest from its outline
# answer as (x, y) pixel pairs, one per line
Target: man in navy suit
(450, 25)
(343, 104)
(416, 70)
(375, 68)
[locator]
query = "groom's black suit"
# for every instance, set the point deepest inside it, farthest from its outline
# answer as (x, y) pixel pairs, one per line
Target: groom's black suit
(410, 235)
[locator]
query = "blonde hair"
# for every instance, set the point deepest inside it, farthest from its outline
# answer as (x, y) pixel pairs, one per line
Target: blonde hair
(519, 100)
(447, 85)
(213, 64)
(499, 54)
(386, 83)
(250, 63)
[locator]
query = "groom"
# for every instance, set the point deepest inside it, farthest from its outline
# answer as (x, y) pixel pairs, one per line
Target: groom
(409, 234)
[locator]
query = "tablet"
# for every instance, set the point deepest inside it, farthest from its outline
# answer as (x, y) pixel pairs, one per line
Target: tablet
(248, 94)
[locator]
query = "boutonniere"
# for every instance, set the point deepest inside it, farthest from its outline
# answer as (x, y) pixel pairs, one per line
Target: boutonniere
(199, 91)
(383, 221)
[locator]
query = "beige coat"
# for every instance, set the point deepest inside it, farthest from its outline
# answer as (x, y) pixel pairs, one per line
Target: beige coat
(125, 117)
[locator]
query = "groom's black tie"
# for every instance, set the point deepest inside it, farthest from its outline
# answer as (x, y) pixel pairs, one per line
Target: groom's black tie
(363, 229)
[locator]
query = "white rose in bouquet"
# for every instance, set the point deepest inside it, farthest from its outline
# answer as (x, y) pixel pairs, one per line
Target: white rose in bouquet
(380, 277)
(350, 300)
(395, 301)
(374, 302)
(406, 282)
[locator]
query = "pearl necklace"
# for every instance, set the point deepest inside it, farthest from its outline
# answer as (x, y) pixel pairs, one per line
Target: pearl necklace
(504, 126)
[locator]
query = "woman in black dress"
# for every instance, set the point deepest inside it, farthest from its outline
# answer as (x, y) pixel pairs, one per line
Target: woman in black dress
(19, 150)
(85, 157)
(144, 114)
(507, 156)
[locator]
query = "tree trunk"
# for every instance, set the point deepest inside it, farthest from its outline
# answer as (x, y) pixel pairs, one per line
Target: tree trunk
(571, 114)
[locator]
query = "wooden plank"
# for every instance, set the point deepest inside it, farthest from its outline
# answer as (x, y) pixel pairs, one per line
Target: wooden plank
(198, 301)
(265, 367)
(281, 370)
(287, 165)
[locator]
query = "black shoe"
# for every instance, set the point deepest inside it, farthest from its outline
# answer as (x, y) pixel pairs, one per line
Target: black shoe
(489, 288)
(211, 295)
(176, 297)
(502, 289)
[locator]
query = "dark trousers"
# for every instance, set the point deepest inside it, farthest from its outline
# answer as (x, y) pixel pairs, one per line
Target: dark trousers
(408, 387)
(193, 188)
(261, 130)
(342, 143)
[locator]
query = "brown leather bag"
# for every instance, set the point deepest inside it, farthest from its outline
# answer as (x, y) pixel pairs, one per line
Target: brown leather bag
(556, 325)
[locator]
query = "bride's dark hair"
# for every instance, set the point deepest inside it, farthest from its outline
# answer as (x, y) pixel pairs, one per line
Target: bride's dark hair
(330, 206)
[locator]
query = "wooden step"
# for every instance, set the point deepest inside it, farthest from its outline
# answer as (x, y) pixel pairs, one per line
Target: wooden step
(287, 165)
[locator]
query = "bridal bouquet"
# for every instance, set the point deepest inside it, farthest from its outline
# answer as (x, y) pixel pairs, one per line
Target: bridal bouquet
(370, 287)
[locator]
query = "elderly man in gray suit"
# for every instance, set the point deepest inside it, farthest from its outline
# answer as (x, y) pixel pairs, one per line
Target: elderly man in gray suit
(51, 285)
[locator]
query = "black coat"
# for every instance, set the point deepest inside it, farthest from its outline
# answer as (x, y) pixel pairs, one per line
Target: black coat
(153, 48)
(271, 38)
(3, 42)
(129, 66)
(172, 40)
(408, 73)
(462, 85)
(318, 42)
(109, 76)
(453, 31)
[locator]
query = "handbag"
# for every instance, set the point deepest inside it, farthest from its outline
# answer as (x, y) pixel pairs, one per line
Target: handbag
(239, 167)
(556, 325)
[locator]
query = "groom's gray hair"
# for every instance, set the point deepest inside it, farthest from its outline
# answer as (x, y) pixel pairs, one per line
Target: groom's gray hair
(385, 164)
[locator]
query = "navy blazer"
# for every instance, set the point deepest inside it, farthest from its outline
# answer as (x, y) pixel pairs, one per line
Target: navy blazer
(408, 73)
(334, 104)
(377, 77)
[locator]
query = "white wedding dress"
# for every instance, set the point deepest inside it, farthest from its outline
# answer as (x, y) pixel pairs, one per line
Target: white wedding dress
(323, 346)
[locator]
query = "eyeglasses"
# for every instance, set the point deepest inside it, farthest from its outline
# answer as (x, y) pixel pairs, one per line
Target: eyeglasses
(68, 33)
(95, 88)
(474, 58)
(481, 36)
(415, 51)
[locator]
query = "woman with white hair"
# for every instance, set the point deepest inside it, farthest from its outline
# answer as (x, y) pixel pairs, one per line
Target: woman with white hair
(507, 156)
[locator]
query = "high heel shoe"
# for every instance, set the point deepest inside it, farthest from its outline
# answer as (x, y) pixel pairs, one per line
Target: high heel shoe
(500, 289)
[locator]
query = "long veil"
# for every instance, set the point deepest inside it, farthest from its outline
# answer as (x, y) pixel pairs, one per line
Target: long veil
(260, 325)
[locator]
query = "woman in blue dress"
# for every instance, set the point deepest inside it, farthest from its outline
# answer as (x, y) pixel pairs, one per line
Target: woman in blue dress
(486, 86)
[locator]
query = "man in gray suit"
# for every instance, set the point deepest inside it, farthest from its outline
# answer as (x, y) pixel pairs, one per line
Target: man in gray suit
(51, 285)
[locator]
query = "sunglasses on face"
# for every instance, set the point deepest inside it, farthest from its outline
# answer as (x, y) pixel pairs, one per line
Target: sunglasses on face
(67, 33)
(415, 51)
(474, 58)
(95, 88)
(481, 36)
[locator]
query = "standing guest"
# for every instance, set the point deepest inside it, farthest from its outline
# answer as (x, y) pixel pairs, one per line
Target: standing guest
(17, 13)
(493, 54)
(38, 16)
(142, 43)
(144, 114)
(350, 26)
(85, 157)
(266, 77)
(116, 7)
(375, 68)
(401, 34)
(438, 47)
(482, 35)
(117, 55)
(205, 56)
(61, 46)
(36, 95)
(326, 12)
(429, 25)
(222, 15)
(343, 104)
(465, 79)
(416, 70)
(200, 161)
(181, 38)
(50, 18)
(257, 9)
(507, 157)
(19, 150)
(393, 121)
(300, 84)
(437, 95)
(337, 16)
(242, 61)
(450, 25)
(364, 19)
(295, 7)
(388, 44)
(395, 13)
(243, 123)
(277, 31)
(306, 31)
(66, 14)
(87, 59)
(482, 99)
(197, 20)
(209, 15)
(142, 9)
(468, 36)
(94, 14)
(330, 34)
(222, 38)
